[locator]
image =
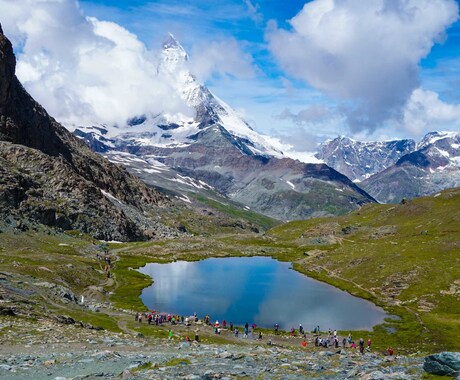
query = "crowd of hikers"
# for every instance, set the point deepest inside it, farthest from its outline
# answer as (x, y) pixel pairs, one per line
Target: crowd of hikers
(328, 339)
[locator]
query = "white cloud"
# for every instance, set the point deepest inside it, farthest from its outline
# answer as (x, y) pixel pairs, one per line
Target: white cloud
(81, 69)
(84, 70)
(315, 113)
(224, 57)
(425, 112)
(364, 53)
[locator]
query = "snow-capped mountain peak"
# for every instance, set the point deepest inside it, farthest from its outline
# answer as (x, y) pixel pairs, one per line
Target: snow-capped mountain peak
(172, 50)
(174, 130)
(359, 160)
(436, 137)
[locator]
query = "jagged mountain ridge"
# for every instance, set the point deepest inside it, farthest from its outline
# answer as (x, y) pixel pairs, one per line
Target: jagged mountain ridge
(219, 148)
(51, 177)
(433, 166)
(359, 160)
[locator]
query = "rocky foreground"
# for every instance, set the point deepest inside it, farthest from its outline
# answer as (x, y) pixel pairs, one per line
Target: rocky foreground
(46, 349)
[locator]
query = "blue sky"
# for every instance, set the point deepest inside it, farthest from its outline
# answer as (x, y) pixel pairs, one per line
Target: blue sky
(246, 22)
(299, 70)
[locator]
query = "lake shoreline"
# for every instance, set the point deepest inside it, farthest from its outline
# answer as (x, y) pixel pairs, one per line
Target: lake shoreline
(229, 282)
(131, 298)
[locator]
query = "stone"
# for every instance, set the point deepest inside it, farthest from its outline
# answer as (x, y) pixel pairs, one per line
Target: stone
(225, 355)
(444, 364)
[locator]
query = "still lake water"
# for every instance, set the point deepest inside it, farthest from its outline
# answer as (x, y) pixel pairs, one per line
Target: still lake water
(254, 289)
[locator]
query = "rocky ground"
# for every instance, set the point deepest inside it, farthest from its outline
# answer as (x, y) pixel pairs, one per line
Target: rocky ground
(46, 349)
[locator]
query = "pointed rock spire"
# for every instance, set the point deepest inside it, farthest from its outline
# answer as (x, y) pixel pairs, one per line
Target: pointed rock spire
(173, 50)
(171, 42)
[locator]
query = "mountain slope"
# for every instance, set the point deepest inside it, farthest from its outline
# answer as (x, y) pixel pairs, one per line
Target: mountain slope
(50, 177)
(432, 167)
(219, 148)
(403, 257)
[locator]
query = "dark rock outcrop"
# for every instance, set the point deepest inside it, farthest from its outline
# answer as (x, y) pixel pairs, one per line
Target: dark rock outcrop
(444, 364)
(48, 176)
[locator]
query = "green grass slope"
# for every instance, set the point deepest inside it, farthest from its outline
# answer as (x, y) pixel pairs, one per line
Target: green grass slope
(404, 257)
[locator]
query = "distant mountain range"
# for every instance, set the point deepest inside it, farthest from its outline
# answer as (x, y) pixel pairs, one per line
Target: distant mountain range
(393, 170)
(219, 150)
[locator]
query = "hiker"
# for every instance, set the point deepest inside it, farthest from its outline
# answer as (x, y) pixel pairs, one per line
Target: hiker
(224, 324)
(260, 335)
(316, 341)
(170, 334)
(369, 343)
(344, 342)
(236, 332)
(277, 326)
(349, 338)
(389, 351)
(353, 344)
(361, 345)
(231, 326)
(300, 328)
(292, 331)
(246, 330)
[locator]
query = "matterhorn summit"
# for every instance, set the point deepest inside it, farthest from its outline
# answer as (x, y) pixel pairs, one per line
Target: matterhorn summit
(216, 149)
(173, 50)
(205, 110)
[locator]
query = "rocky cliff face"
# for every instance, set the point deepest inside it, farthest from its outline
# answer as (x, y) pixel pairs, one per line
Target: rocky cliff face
(48, 176)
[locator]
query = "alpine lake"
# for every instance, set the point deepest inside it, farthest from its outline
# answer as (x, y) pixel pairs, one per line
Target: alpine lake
(256, 290)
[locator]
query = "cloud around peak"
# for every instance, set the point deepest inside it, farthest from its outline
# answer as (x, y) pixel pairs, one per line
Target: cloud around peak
(84, 70)
(365, 54)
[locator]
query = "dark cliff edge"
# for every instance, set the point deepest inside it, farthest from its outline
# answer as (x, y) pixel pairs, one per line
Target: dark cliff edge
(49, 176)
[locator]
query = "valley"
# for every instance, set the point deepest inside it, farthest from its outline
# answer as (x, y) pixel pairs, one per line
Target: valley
(387, 254)
(81, 212)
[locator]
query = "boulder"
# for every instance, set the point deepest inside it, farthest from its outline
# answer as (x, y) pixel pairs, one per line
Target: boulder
(444, 363)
